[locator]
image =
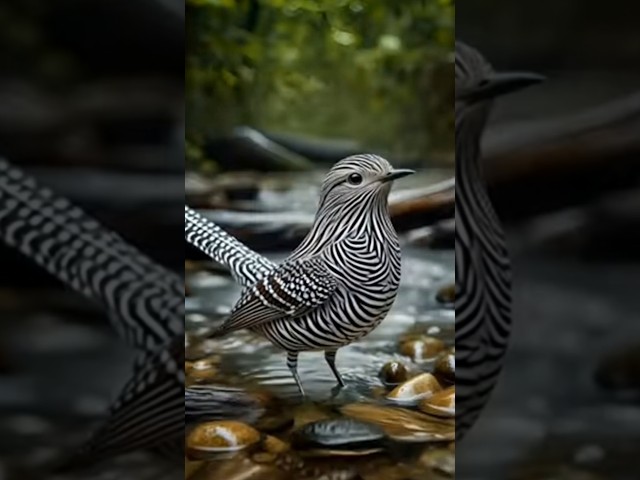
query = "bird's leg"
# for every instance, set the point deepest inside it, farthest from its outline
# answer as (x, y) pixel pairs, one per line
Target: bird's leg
(292, 363)
(330, 357)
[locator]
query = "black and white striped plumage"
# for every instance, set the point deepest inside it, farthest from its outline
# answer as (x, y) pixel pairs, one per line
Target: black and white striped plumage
(483, 271)
(338, 285)
(144, 301)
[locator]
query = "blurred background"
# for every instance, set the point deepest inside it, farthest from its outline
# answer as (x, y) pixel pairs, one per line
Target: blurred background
(91, 104)
(562, 159)
(276, 92)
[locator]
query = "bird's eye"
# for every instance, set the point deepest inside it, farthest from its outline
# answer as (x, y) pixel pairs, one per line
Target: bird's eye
(355, 179)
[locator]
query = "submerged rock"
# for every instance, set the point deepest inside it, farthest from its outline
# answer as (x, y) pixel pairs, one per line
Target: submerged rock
(422, 349)
(339, 436)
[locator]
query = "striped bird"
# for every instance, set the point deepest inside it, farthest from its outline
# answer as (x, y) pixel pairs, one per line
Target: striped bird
(145, 303)
(340, 282)
(483, 273)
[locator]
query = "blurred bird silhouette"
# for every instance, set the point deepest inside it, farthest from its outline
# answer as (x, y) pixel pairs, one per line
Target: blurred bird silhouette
(483, 270)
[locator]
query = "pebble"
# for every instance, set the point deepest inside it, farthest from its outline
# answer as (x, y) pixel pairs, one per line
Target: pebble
(447, 294)
(222, 436)
(445, 365)
(412, 391)
(394, 373)
(422, 349)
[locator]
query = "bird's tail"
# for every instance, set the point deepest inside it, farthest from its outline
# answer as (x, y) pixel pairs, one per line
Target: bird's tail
(94, 261)
(246, 265)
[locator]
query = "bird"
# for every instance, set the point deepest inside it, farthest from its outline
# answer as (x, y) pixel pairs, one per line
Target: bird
(336, 286)
(483, 298)
(144, 302)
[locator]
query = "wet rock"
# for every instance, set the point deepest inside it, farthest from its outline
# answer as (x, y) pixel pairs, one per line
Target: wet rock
(222, 437)
(422, 386)
(339, 436)
(394, 373)
(440, 404)
(447, 295)
(445, 365)
(403, 425)
(422, 349)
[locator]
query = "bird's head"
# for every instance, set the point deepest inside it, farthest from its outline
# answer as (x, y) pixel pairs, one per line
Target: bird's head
(358, 180)
(477, 84)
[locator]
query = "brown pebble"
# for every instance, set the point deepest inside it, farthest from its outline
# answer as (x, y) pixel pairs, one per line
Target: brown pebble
(222, 436)
(422, 349)
(447, 294)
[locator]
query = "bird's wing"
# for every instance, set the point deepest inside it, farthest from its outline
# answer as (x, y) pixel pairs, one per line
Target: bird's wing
(145, 299)
(291, 290)
(246, 266)
(148, 413)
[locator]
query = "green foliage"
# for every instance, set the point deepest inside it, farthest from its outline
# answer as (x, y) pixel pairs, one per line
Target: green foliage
(379, 71)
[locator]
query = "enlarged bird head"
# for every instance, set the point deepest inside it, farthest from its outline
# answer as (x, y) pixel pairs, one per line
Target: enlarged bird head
(359, 180)
(477, 83)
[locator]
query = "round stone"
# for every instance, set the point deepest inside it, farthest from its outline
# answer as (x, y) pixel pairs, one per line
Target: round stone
(223, 436)
(414, 390)
(422, 349)
(445, 365)
(447, 295)
(394, 373)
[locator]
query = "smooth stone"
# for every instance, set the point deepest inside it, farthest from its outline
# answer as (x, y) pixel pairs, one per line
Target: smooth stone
(422, 349)
(222, 436)
(403, 425)
(410, 392)
(446, 295)
(394, 373)
(343, 434)
(445, 365)
(441, 404)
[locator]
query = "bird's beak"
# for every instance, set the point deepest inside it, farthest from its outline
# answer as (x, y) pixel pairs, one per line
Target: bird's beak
(500, 84)
(396, 174)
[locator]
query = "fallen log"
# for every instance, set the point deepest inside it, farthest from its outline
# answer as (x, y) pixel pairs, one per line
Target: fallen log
(543, 166)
